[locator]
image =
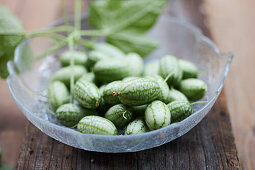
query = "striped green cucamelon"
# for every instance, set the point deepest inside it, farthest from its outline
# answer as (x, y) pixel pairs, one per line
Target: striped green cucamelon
(88, 77)
(164, 89)
(157, 115)
(95, 56)
(64, 74)
(87, 94)
(180, 110)
(57, 94)
(108, 96)
(119, 115)
(169, 64)
(189, 70)
(138, 110)
(193, 89)
(151, 68)
(118, 68)
(109, 50)
(139, 91)
(175, 95)
(135, 64)
(135, 127)
(129, 78)
(70, 114)
(96, 125)
(79, 58)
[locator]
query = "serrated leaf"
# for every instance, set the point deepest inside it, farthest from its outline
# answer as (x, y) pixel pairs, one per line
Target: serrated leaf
(11, 34)
(129, 41)
(11, 31)
(127, 24)
(114, 4)
(139, 15)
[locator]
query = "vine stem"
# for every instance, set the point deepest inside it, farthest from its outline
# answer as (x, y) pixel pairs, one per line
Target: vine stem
(93, 33)
(198, 102)
(77, 15)
(71, 48)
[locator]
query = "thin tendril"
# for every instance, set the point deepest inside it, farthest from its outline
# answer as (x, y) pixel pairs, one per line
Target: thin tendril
(48, 109)
(123, 114)
(168, 76)
(198, 102)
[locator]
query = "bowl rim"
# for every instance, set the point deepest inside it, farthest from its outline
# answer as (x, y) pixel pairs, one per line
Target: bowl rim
(196, 31)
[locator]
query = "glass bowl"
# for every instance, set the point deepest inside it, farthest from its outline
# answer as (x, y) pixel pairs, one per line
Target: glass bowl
(28, 86)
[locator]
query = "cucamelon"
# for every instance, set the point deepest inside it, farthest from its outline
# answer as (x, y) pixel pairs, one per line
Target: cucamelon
(138, 110)
(96, 125)
(119, 115)
(79, 58)
(95, 56)
(87, 94)
(108, 96)
(175, 95)
(164, 89)
(180, 110)
(193, 89)
(64, 74)
(139, 91)
(109, 50)
(169, 64)
(135, 127)
(70, 114)
(151, 68)
(57, 94)
(189, 70)
(157, 115)
(88, 77)
(118, 68)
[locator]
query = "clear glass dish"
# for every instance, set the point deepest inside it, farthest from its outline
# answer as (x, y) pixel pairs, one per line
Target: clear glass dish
(28, 88)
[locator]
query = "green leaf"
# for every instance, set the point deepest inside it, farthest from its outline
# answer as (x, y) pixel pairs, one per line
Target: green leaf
(11, 34)
(114, 4)
(138, 15)
(126, 25)
(132, 42)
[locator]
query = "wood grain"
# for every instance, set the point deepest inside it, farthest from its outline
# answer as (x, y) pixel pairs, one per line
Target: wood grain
(232, 27)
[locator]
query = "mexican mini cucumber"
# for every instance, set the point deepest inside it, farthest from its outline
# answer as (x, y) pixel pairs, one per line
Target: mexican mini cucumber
(139, 91)
(114, 86)
(157, 115)
(135, 127)
(193, 89)
(119, 115)
(57, 94)
(180, 110)
(79, 58)
(138, 110)
(87, 94)
(189, 70)
(164, 89)
(96, 125)
(88, 77)
(70, 114)
(64, 74)
(116, 69)
(151, 68)
(174, 95)
(169, 64)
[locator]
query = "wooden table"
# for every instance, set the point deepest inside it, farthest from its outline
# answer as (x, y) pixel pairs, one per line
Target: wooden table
(210, 145)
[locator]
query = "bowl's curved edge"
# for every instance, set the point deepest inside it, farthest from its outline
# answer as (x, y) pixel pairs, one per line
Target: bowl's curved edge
(212, 100)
